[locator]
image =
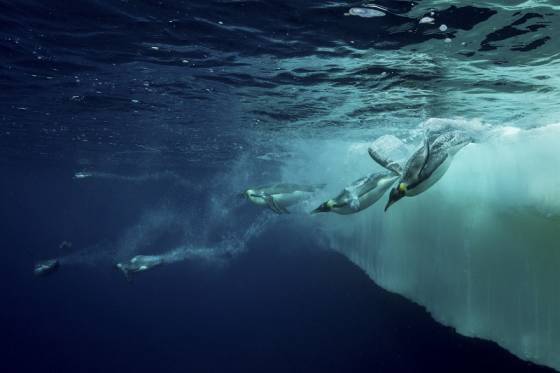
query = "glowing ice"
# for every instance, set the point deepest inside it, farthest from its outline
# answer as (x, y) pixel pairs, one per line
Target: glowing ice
(480, 250)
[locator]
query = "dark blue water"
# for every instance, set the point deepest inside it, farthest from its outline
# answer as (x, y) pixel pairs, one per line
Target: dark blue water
(164, 101)
(284, 305)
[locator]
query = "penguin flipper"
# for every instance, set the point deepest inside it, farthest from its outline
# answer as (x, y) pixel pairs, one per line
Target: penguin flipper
(436, 161)
(284, 210)
(274, 206)
(384, 162)
(418, 162)
(426, 153)
(395, 167)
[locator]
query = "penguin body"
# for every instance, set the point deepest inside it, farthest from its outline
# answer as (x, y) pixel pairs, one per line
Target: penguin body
(278, 197)
(46, 267)
(139, 263)
(428, 164)
(82, 175)
(359, 195)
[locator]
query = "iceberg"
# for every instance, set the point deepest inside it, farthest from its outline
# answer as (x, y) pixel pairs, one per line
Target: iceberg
(480, 249)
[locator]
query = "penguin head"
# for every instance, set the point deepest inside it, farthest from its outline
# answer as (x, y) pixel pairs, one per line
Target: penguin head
(324, 207)
(250, 194)
(396, 193)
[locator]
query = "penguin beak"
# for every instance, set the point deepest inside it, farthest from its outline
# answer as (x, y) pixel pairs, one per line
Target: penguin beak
(394, 196)
(323, 208)
(389, 203)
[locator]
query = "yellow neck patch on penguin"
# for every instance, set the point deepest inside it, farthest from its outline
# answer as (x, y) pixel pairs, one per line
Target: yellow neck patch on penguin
(402, 187)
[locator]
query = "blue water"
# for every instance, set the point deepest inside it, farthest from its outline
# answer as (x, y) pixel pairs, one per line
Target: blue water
(285, 304)
(173, 108)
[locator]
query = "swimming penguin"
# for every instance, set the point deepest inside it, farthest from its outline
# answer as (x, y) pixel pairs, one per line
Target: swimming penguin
(427, 165)
(46, 267)
(359, 195)
(82, 175)
(139, 263)
(279, 196)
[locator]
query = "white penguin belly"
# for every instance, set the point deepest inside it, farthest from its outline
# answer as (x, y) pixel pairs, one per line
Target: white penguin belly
(259, 201)
(288, 199)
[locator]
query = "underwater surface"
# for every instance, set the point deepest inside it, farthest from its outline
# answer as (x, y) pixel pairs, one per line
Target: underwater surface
(188, 186)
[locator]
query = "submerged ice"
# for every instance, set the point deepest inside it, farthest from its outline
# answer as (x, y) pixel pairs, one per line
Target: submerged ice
(480, 249)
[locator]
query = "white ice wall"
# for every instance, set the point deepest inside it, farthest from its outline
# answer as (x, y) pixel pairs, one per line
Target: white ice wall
(480, 250)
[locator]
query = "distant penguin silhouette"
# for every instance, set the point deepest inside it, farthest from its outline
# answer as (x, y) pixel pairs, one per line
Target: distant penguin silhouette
(278, 197)
(359, 195)
(427, 165)
(139, 263)
(82, 175)
(46, 267)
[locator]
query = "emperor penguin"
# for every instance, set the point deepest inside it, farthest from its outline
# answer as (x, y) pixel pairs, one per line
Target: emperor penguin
(82, 175)
(139, 263)
(359, 195)
(278, 197)
(46, 267)
(427, 165)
